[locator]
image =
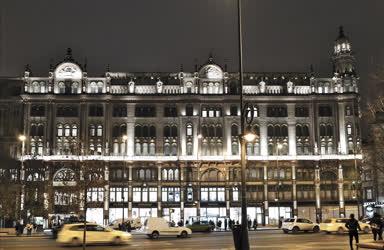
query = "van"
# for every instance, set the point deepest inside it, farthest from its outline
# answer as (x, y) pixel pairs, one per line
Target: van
(154, 227)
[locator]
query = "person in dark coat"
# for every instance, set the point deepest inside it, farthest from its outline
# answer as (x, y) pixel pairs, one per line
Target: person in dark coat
(225, 224)
(254, 224)
(249, 224)
(129, 227)
(230, 224)
(353, 227)
(280, 222)
(17, 228)
(377, 226)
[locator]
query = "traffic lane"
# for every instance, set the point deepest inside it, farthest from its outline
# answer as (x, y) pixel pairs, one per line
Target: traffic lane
(222, 240)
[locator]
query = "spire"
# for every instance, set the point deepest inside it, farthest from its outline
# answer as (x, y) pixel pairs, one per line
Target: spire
(28, 68)
(311, 70)
(85, 64)
(210, 57)
(51, 65)
(181, 68)
(68, 56)
(341, 32)
(108, 68)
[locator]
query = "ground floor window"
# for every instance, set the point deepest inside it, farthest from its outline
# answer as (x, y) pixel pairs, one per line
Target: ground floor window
(170, 194)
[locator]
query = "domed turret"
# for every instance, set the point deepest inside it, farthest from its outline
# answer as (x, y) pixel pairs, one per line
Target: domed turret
(343, 59)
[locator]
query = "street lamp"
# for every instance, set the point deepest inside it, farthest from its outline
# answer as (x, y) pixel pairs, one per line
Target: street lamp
(22, 138)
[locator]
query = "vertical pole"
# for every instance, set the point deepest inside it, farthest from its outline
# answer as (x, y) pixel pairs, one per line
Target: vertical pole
(244, 221)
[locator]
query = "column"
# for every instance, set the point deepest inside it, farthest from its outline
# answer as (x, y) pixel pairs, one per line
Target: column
(266, 207)
(159, 208)
(294, 197)
(340, 182)
(317, 191)
(227, 192)
(106, 195)
(182, 192)
(198, 191)
(342, 137)
(292, 138)
(129, 190)
(263, 139)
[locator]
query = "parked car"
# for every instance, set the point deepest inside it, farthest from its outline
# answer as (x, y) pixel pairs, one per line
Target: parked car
(155, 227)
(295, 225)
(338, 225)
(135, 223)
(72, 234)
(201, 226)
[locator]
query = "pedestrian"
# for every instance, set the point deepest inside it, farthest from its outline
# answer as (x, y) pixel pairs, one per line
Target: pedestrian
(280, 222)
(119, 226)
(17, 228)
(34, 227)
(255, 224)
(249, 224)
(237, 222)
(353, 227)
(219, 224)
(230, 223)
(225, 224)
(186, 222)
(29, 229)
(377, 226)
(179, 223)
(129, 227)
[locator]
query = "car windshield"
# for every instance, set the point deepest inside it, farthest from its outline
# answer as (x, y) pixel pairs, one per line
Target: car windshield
(289, 220)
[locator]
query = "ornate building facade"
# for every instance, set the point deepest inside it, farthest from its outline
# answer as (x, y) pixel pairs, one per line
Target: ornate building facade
(161, 142)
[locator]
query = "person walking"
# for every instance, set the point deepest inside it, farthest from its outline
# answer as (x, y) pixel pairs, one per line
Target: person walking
(377, 227)
(249, 224)
(225, 224)
(218, 225)
(255, 224)
(17, 228)
(29, 229)
(230, 223)
(281, 222)
(353, 227)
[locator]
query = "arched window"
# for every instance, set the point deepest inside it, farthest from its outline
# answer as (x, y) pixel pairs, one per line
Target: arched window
(74, 130)
(93, 88)
(42, 87)
(99, 130)
(67, 130)
(164, 175)
(92, 130)
(189, 131)
(349, 129)
(61, 88)
(170, 175)
(234, 130)
(74, 87)
(152, 148)
(100, 86)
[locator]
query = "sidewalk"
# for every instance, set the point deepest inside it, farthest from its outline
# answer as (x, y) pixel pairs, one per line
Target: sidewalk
(41, 235)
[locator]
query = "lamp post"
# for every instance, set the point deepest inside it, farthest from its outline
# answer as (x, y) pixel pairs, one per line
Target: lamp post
(124, 138)
(22, 138)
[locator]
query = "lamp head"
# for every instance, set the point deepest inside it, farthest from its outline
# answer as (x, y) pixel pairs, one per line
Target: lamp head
(125, 137)
(249, 136)
(22, 138)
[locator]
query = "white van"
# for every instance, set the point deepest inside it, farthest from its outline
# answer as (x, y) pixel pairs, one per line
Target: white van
(154, 227)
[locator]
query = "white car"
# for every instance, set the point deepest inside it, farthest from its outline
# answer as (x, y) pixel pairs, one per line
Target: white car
(299, 224)
(72, 234)
(338, 225)
(154, 227)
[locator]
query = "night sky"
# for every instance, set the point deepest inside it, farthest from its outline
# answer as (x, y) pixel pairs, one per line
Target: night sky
(159, 35)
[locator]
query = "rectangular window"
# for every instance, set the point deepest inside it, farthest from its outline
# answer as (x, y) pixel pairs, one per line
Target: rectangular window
(37, 110)
(67, 111)
(170, 112)
(277, 111)
(119, 110)
(145, 111)
(368, 193)
(235, 194)
(152, 194)
(144, 194)
(189, 110)
(233, 110)
(96, 110)
(221, 194)
(136, 196)
(325, 111)
(301, 111)
(204, 194)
